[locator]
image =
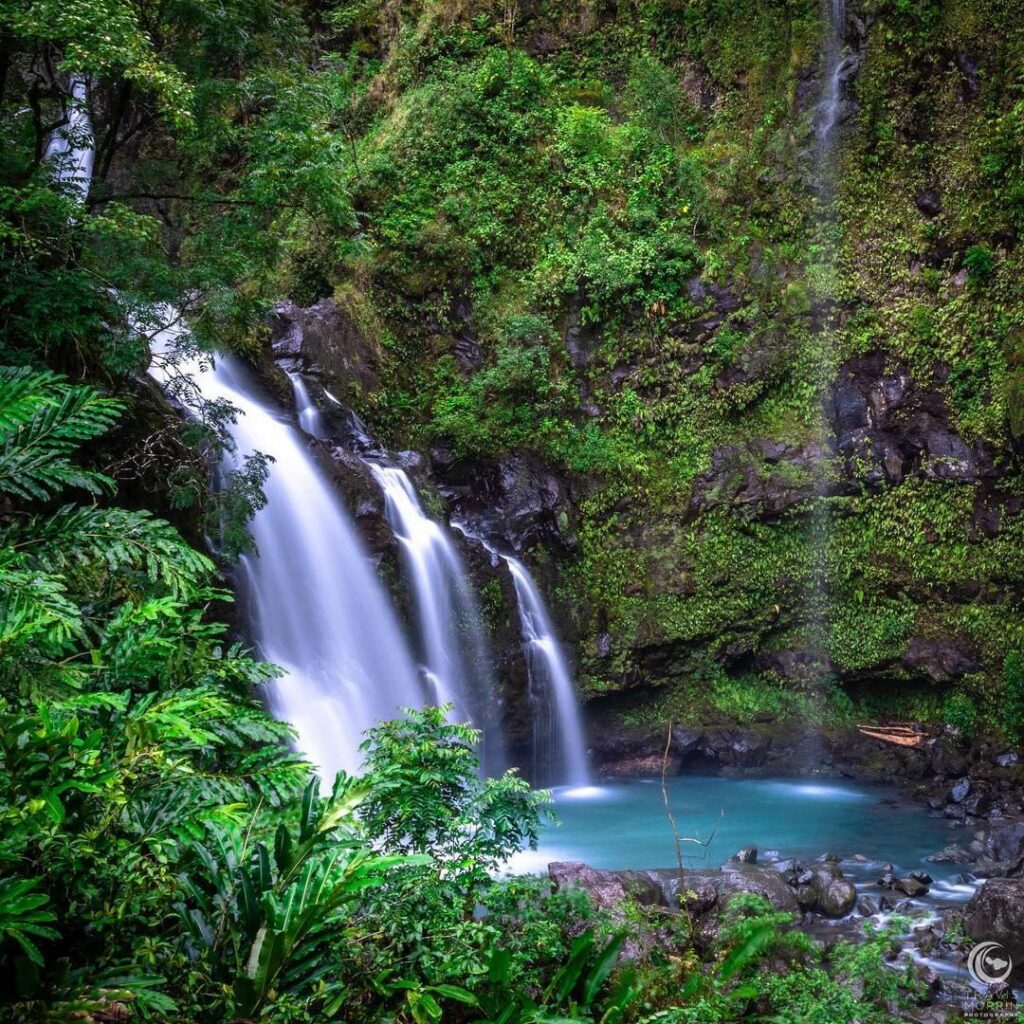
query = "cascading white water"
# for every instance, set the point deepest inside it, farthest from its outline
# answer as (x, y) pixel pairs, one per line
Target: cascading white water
(309, 415)
(69, 149)
(558, 745)
(317, 609)
(454, 649)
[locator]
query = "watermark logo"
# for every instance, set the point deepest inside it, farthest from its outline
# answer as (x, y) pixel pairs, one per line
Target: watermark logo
(989, 963)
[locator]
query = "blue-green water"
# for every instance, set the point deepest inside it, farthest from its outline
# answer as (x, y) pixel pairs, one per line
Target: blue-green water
(624, 825)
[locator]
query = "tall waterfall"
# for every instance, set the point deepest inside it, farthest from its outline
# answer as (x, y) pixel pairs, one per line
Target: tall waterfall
(316, 607)
(837, 65)
(453, 647)
(559, 750)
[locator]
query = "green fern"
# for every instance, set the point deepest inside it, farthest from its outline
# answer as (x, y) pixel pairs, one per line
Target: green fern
(35, 607)
(43, 421)
(116, 539)
(23, 916)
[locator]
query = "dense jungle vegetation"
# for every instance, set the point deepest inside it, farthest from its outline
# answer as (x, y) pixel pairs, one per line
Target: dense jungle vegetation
(589, 231)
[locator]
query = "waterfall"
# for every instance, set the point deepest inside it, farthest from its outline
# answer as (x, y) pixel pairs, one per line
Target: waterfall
(559, 750)
(836, 65)
(316, 607)
(454, 651)
(70, 150)
(558, 746)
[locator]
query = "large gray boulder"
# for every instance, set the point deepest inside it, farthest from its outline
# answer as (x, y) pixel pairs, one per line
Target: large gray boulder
(699, 892)
(821, 889)
(996, 914)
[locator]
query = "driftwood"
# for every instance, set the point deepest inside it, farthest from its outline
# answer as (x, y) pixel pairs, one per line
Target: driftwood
(903, 734)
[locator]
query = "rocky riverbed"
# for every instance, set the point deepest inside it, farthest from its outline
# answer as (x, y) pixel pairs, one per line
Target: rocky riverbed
(934, 926)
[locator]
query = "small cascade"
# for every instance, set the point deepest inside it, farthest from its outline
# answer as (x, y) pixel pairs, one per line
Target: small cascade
(454, 648)
(559, 750)
(69, 149)
(316, 607)
(309, 415)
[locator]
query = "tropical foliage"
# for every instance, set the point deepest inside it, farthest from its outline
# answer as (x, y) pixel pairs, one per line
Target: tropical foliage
(580, 231)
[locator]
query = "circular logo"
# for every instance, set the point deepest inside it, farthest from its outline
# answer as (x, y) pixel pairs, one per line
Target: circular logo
(989, 963)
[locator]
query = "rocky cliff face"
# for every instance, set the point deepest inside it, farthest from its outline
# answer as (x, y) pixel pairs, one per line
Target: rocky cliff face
(767, 461)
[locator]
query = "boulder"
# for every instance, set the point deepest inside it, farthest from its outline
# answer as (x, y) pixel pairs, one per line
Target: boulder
(952, 854)
(1002, 848)
(837, 898)
(698, 891)
(748, 855)
(324, 339)
(763, 880)
(606, 889)
(960, 789)
(995, 913)
(867, 907)
(911, 887)
(822, 889)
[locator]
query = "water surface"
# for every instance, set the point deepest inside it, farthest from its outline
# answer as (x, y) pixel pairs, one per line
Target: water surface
(624, 825)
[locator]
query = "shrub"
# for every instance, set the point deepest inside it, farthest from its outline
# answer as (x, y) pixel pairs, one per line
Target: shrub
(1012, 715)
(961, 713)
(979, 262)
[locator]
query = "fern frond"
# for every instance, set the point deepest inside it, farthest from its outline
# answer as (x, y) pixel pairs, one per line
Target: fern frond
(22, 391)
(35, 609)
(43, 421)
(118, 539)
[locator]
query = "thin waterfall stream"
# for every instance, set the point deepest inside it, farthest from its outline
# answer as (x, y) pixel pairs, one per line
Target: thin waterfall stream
(837, 65)
(559, 747)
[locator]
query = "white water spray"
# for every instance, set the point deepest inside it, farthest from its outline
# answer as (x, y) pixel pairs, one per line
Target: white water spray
(316, 607)
(559, 748)
(70, 150)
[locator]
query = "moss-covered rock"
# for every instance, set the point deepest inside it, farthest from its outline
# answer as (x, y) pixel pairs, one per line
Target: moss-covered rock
(778, 421)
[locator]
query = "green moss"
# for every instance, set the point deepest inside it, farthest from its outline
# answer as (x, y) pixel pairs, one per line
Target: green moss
(549, 191)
